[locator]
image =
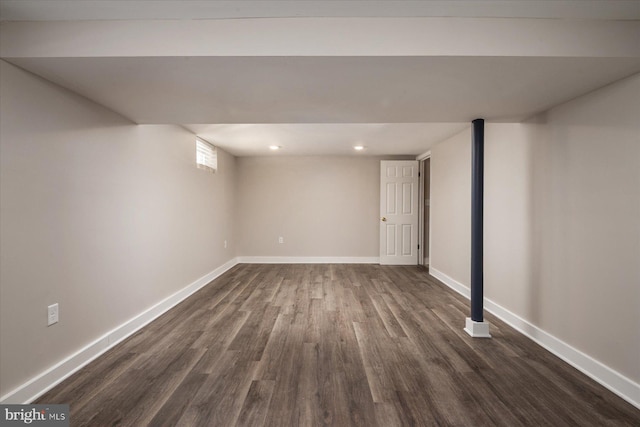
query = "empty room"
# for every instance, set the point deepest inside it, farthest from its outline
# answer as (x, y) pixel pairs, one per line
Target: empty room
(296, 213)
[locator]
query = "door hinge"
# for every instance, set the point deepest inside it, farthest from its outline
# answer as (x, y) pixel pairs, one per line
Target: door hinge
(418, 174)
(418, 246)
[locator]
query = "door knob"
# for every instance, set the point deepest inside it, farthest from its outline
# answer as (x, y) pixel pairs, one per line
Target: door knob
(383, 218)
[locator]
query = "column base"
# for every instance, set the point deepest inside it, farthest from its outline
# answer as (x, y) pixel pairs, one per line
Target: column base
(477, 329)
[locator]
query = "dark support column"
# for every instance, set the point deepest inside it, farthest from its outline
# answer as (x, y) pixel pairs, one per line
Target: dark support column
(477, 196)
(475, 325)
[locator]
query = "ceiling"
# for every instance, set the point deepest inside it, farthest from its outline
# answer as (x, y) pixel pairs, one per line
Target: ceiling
(315, 89)
(66, 10)
(321, 104)
(296, 139)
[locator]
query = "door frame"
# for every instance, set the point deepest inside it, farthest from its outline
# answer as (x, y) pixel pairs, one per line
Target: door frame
(422, 159)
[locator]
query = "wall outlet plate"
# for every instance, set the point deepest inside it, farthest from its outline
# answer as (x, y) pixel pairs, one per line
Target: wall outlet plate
(52, 314)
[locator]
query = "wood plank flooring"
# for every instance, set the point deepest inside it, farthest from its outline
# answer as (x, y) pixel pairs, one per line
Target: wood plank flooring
(341, 345)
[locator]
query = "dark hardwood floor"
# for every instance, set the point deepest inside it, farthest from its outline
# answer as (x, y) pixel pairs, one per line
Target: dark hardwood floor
(342, 345)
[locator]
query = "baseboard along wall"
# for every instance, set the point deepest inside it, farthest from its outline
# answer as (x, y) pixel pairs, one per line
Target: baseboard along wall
(609, 378)
(43, 382)
(48, 379)
(307, 260)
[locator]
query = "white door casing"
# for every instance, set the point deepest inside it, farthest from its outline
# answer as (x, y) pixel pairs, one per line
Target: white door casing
(399, 186)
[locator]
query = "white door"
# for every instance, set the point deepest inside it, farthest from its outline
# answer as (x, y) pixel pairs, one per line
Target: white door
(399, 184)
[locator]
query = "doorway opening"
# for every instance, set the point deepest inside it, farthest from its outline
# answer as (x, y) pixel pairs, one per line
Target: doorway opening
(425, 197)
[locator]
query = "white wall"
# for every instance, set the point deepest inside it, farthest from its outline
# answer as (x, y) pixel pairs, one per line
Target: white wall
(508, 203)
(586, 224)
(107, 218)
(102, 216)
(451, 206)
(562, 221)
(321, 206)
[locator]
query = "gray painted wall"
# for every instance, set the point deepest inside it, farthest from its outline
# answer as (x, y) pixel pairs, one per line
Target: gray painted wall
(321, 206)
(107, 218)
(102, 216)
(562, 220)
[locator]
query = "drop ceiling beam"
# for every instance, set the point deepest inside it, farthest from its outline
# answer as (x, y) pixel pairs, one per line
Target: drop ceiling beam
(431, 36)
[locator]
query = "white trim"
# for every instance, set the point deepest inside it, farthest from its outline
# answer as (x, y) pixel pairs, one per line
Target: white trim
(450, 282)
(307, 260)
(48, 379)
(422, 159)
(424, 155)
(421, 214)
(32, 389)
(612, 380)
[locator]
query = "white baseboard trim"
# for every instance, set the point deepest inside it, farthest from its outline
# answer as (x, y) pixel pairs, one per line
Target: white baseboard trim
(307, 260)
(450, 282)
(48, 379)
(612, 380)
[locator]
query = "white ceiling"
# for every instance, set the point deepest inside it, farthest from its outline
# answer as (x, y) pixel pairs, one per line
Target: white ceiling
(319, 104)
(327, 138)
(325, 105)
(67, 10)
(329, 89)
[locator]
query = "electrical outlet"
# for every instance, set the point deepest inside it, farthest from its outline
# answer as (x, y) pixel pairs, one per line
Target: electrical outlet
(225, 244)
(280, 239)
(52, 314)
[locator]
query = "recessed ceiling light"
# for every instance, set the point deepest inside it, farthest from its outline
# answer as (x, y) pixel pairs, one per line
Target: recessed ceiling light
(274, 147)
(358, 147)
